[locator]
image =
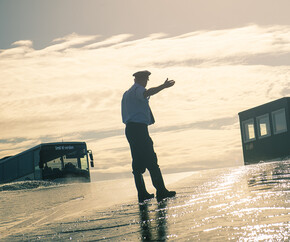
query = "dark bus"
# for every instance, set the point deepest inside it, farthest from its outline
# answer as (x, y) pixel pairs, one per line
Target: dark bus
(265, 131)
(60, 161)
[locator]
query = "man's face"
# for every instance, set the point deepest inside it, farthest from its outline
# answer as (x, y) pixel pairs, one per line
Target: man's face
(143, 81)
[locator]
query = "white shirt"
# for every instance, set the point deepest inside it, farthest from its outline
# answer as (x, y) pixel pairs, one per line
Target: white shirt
(135, 107)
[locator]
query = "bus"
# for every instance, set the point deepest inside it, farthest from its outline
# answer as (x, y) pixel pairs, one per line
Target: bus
(59, 161)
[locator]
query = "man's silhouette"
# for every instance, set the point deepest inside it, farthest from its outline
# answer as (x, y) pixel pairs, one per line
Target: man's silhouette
(137, 115)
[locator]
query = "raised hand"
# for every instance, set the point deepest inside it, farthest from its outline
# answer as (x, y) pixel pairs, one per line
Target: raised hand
(168, 83)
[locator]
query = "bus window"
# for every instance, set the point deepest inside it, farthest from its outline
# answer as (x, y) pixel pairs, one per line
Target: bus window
(61, 161)
(78, 159)
(263, 123)
(84, 161)
(279, 121)
(52, 168)
(249, 130)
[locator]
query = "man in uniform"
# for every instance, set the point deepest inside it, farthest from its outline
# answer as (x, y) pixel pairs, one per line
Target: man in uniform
(137, 115)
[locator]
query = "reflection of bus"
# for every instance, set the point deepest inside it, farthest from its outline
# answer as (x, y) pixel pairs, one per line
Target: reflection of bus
(60, 161)
(265, 131)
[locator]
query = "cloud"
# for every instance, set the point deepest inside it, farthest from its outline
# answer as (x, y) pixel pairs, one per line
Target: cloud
(108, 42)
(27, 43)
(72, 89)
(273, 59)
(22, 47)
(69, 41)
(215, 124)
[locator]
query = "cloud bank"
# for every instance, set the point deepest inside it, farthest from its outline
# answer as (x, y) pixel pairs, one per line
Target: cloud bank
(71, 90)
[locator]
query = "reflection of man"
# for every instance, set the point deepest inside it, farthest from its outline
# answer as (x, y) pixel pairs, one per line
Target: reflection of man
(137, 115)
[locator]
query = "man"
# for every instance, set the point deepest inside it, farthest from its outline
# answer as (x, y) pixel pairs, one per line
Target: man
(137, 115)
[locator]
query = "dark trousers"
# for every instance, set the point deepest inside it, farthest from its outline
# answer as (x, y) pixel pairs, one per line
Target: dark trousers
(142, 151)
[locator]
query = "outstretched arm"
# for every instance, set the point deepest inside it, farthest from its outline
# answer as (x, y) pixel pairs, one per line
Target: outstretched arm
(152, 91)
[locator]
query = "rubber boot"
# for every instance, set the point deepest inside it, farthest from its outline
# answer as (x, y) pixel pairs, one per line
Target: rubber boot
(158, 183)
(140, 185)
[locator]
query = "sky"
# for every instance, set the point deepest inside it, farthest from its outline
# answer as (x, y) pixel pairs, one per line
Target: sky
(64, 66)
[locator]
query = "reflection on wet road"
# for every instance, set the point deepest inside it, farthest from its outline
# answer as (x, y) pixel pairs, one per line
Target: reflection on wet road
(238, 203)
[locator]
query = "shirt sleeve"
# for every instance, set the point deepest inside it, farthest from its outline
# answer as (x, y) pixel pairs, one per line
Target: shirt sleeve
(139, 92)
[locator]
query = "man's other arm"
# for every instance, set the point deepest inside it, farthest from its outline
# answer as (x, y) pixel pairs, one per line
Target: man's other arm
(152, 91)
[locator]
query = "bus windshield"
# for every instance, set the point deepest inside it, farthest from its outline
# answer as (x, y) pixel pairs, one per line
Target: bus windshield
(62, 161)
